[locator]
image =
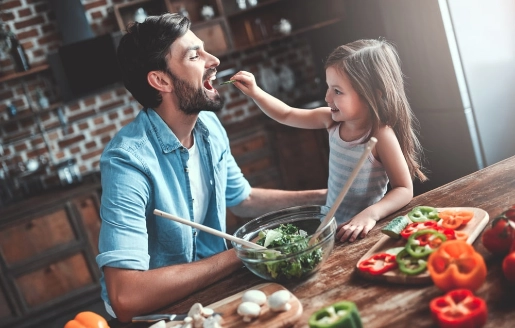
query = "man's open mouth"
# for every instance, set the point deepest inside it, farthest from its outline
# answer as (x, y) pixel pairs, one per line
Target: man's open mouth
(207, 82)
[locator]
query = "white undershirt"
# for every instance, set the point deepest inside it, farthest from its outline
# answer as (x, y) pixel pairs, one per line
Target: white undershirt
(200, 190)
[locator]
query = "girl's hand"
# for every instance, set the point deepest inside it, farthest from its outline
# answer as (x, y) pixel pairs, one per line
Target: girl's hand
(358, 226)
(246, 82)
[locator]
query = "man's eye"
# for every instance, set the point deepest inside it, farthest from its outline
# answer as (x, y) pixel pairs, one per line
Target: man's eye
(194, 57)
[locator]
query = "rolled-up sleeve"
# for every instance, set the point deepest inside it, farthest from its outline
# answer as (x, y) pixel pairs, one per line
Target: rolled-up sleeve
(123, 240)
(238, 188)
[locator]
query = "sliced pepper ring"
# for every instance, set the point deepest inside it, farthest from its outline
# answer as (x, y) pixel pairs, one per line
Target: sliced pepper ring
(459, 308)
(416, 226)
(461, 235)
(378, 264)
(464, 215)
(431, 240)
(341, 314)
(409, 264)
(423, 213)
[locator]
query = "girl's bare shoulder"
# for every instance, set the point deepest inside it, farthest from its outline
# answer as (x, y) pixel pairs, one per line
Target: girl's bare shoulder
(384, 132)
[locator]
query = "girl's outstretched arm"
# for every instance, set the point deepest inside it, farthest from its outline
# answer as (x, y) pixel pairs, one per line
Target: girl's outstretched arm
(388, 152)
(317, 118)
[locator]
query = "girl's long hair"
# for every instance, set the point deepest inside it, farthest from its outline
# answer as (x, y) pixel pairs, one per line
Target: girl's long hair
(374, 70)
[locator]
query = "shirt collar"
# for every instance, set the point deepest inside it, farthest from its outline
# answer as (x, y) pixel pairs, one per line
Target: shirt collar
(165, 136)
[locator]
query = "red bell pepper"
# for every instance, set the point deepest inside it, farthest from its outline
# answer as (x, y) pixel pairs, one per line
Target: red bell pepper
(459, 308)
(378, 264)
(416, 226)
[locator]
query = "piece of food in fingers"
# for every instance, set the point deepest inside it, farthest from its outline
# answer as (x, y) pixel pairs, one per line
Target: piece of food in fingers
(228, 82)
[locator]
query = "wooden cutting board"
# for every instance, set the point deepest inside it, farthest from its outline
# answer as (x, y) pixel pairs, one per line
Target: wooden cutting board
(473, 228)
(267, 318)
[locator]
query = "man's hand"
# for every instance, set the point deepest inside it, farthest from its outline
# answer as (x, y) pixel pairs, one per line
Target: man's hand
(134, 292)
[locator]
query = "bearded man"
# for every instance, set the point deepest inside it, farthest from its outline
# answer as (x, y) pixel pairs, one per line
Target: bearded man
(175, 157)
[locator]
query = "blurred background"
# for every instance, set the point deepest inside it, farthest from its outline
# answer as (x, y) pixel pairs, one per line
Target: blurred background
(61, 101)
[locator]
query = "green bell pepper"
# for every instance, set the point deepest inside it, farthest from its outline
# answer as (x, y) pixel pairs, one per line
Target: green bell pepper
(423, 213)
(343, 314)
(431, 243)
(409, 264)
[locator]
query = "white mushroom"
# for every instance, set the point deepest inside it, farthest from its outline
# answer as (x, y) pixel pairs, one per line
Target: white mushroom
(249, 310)
(278, 301)
(214, 321)
(195, 309)
(255, 296)
(196, 314)
(207, 312)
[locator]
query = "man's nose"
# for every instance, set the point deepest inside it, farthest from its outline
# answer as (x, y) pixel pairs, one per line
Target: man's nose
(212, 61)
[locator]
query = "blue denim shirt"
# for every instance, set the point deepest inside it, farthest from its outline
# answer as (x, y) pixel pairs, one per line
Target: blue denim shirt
(144, 167)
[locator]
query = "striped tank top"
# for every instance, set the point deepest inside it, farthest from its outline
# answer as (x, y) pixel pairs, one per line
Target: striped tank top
(370, 184)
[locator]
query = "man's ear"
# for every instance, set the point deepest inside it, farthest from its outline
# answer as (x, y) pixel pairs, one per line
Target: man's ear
(160, 81)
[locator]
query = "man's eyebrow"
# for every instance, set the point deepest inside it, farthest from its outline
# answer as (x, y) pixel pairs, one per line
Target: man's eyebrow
(192, 48)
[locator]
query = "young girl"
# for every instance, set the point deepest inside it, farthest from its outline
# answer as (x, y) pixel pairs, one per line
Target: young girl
(365, 98)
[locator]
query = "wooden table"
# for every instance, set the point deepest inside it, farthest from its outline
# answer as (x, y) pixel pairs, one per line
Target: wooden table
(385, 304)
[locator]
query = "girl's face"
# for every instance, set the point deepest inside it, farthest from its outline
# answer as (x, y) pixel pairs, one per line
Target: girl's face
(346, 104)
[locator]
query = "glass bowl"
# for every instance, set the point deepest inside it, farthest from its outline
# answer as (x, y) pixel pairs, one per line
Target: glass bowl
(295, 260)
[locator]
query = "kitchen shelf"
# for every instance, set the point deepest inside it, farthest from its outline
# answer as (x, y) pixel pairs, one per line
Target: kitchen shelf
(30, 114)
(18, 75)
(294, 32)
(233, 29)
(260, 5)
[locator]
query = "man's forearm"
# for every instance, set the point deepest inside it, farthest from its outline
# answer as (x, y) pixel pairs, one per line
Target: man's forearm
(133, 292)
(261, 201)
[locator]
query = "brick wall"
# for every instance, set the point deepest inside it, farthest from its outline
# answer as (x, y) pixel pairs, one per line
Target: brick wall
(91, 122)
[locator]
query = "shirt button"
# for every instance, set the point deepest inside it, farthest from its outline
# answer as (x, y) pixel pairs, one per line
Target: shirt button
(210, 181)
(186, 169)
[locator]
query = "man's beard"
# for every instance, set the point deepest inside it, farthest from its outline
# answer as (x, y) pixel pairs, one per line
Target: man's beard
(191, 100)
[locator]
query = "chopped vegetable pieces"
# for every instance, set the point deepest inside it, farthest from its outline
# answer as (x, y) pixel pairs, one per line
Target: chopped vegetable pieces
(423, 213)
(424, 242)
(455, 264)
(228, 82)
(459, 308)
(463, 216)
(286, 240)
(378, 264)
(416, 226)
(410, 265)
(343, 314)
(395, 227)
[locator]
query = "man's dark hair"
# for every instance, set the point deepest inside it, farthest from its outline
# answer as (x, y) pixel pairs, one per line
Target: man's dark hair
(143, 49)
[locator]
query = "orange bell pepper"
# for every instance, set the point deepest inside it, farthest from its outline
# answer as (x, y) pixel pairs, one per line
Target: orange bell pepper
(87, 319)
(455, 264)
(464, 216)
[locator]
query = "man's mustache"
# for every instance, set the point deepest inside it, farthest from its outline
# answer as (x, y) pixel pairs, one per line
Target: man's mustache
(209, 72)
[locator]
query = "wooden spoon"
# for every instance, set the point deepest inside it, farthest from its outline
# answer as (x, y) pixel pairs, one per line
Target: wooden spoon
(209, 230)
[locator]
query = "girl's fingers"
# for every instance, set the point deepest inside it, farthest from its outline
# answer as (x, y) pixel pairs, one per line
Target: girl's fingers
(355, 234)
(348, 231)
(366, 230)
